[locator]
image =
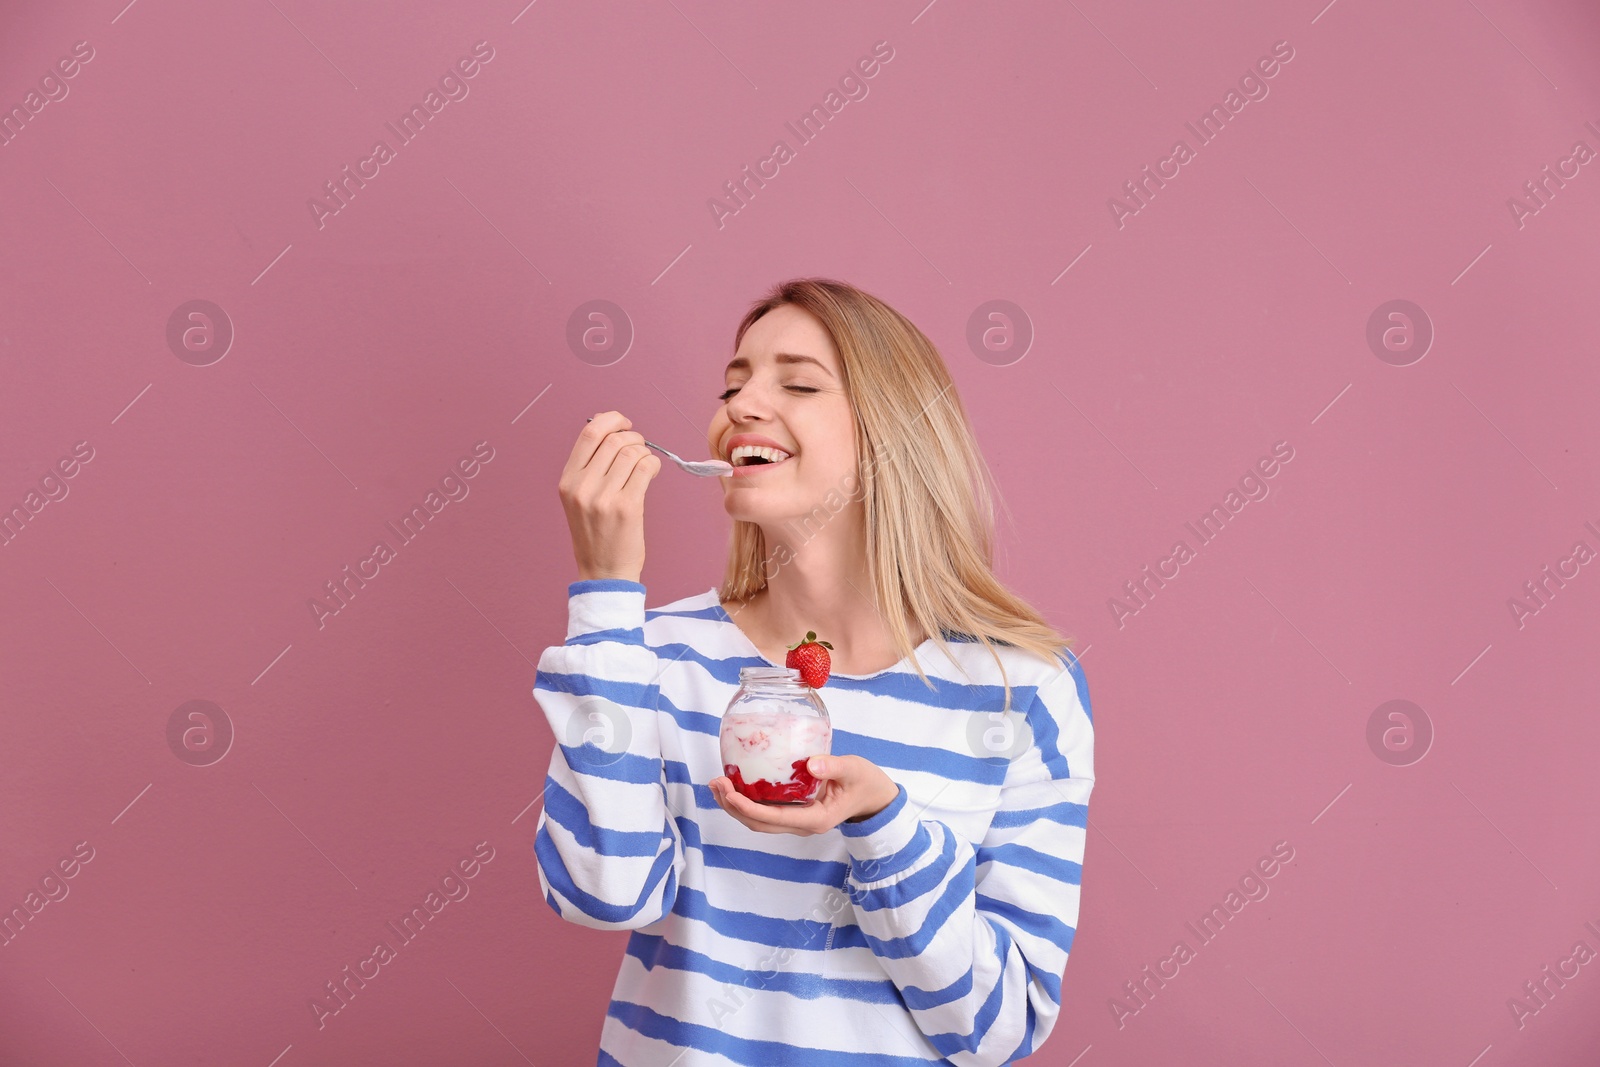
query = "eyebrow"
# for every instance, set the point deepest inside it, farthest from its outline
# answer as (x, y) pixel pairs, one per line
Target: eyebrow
(740, 363)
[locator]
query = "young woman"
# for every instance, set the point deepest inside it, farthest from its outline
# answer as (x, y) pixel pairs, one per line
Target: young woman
(921, 908)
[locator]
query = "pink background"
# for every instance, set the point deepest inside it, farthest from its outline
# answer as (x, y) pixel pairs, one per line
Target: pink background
(370, 354)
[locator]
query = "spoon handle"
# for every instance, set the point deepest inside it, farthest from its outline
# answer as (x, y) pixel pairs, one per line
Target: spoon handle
(670, 455)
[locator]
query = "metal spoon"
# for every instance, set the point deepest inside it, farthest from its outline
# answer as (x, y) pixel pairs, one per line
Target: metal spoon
(700, 468)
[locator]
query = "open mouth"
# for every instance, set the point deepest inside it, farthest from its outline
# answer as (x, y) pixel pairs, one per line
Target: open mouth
(756, 456)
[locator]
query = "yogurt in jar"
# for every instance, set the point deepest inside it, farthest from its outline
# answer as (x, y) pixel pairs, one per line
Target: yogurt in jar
(764, 753)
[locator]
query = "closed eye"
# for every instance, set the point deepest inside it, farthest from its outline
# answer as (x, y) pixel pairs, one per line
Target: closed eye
(727, 394)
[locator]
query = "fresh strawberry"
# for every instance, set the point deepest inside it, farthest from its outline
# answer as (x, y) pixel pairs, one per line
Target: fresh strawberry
(810, 658)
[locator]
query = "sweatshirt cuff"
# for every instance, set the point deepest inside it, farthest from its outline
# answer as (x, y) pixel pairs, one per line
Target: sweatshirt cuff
(886, 843)
(609, 606)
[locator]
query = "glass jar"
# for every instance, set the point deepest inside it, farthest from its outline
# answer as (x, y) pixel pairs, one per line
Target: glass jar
(773, 725)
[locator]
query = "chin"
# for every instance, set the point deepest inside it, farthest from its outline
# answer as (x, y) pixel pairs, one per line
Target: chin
(748, 511)
(746, 506)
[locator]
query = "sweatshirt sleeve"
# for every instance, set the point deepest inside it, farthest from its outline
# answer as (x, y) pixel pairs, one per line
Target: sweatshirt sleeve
(976, 937)
(608, 852)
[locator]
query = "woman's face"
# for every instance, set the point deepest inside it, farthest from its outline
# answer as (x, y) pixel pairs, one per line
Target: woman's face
(785, 402)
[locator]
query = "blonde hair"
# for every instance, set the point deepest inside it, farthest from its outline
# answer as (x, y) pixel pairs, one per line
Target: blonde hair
(928, 494)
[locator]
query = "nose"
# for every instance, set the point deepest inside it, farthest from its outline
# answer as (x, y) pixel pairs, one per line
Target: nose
(750, 403)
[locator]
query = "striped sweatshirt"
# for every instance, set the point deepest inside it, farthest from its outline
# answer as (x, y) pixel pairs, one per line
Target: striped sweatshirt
(934, 931)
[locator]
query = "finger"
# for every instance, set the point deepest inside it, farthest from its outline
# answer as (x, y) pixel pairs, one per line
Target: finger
(830, 768)
(726, 798)
(592, 434)
(627, 459)
(774, 818)
(742, 807)
(643, 473)
(604, 456)
(591, 480)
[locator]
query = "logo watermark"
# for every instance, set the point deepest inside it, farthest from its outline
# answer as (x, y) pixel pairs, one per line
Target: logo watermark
(1252, 887)
(53, 89)
(342, 590)
(53, 889)
(852, 488)
(805, 130)
(1543, 989)
(453, 888)
(199, 332)
(53, 488)
(1399, 332)
(596, 735)
(453, 86)
(1252, 84)
(199, 732)
(1542, 189)
(1538, 592)
(1252, 486)
(599, 332)
(1399, 733)
(999, 332)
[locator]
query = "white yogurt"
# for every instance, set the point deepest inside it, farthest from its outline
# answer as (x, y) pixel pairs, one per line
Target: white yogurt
(765, 744)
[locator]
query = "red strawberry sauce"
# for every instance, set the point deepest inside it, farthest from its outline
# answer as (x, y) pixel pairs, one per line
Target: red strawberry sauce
(800, 786)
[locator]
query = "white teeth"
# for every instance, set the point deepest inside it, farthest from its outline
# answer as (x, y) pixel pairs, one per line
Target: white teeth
(744, 452)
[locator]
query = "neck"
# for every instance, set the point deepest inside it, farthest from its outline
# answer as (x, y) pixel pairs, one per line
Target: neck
(825, 586)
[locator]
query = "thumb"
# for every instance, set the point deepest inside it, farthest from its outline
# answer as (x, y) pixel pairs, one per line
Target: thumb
(826, 767)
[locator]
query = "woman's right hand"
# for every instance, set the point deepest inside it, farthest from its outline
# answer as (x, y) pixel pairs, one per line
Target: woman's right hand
(602, 489)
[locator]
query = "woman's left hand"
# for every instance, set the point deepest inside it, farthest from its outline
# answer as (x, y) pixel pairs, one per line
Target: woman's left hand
(852, 788)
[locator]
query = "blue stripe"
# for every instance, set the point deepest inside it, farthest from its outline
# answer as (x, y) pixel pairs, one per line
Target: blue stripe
(1047, 927)
(956, 893)
(1048, 979)
(555, 872)
(723, 670)
(885, 815)
(884, 752)
(653, 951)
(743, 1050)
(921, 999)
(958, 766)
(1082, 682)
(952, 1043)
(765, 864)
(1025, 1046)
(603, 585)
(925, 880)
(571, 813)
(1047, 736)
(712, 613)
(946, 694)
(677, 773)
(875, 870)
(629, 694)
(597, 762)
(1029, 859)
(889, 755)
(955, 696)
(750, 926)
(895, 755)
(698, 722)
(1067, 812)
(635, 636)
